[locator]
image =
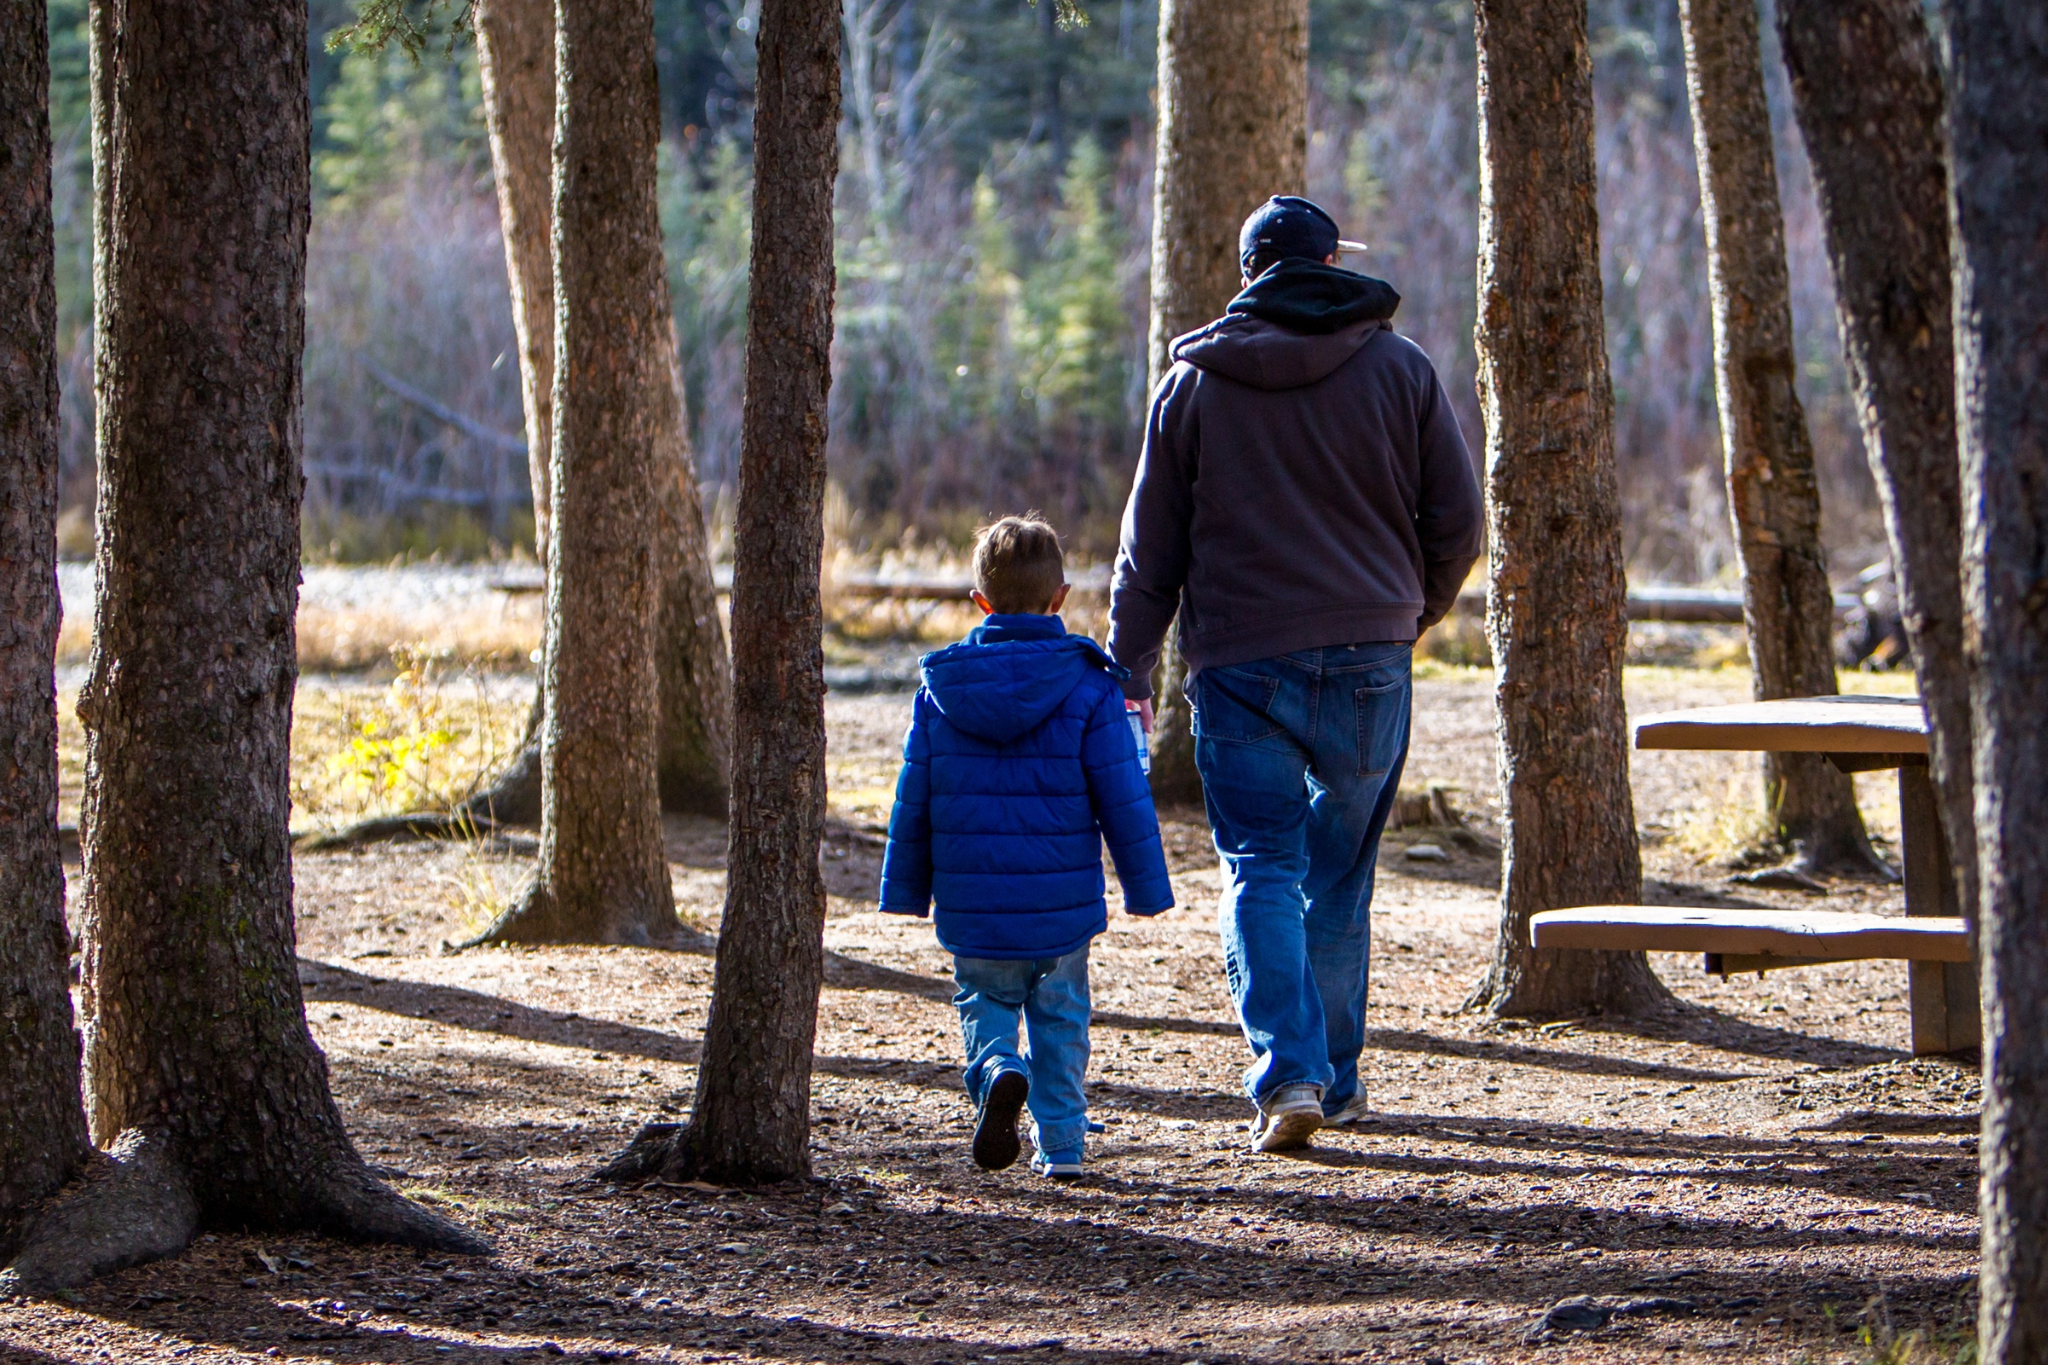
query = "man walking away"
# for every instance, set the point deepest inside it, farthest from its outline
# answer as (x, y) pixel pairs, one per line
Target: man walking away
(1306, 502)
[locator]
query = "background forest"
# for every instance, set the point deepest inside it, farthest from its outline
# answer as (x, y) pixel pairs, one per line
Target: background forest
(993, 239)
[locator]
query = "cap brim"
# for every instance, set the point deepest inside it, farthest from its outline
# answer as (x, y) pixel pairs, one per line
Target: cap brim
(1344, 246)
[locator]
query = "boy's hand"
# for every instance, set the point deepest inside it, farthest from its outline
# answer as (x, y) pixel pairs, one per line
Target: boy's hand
(1144, 710)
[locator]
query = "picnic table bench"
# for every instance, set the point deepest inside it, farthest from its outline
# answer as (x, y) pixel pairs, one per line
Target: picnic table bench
(1858, 734)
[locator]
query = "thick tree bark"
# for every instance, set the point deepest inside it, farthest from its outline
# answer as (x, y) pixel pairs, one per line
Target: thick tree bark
(42, 1138)
(516, 55)
(1556, 605)
(1998, 63)
(203, 1077)
(1233, 131)
(1773, 494)
(603, 876)
(751, 1119)
(1866, 88)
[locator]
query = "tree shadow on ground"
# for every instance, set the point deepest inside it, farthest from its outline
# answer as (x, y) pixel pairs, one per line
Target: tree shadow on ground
(1682, 1021)
(1554, 1059)
(1030, 1263)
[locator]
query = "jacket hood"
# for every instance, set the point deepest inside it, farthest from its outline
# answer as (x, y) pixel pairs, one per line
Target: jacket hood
(1292, 326)
(1010, 673)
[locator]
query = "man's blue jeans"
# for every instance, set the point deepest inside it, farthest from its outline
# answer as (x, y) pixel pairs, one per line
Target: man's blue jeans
(1300, 758)
(1051, 998)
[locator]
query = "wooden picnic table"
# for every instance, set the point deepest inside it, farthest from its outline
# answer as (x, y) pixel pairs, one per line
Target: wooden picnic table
(1858, 734)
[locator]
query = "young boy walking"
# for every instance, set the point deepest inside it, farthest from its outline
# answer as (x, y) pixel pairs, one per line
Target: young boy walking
(1018, 766)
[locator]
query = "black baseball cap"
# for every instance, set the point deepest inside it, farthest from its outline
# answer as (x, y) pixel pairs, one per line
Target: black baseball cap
(1288, 226)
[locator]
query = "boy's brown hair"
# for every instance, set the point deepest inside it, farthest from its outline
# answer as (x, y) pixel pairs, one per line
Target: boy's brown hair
(1017, 564)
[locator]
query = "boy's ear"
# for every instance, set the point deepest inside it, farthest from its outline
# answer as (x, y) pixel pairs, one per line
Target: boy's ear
(1059, 599)
(987, 609)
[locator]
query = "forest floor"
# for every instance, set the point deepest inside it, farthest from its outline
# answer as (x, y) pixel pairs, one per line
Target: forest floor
(1761, 1173)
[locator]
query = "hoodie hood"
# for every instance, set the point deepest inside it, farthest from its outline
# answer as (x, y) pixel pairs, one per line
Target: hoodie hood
(1317, 299)
(1292, 326)
(1010, 673)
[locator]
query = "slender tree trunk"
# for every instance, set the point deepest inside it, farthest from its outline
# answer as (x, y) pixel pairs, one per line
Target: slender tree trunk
(516, 56)
(751, 1120)
(1866, 88)
(693, 757)
(1998, 63)
(515, 46)
(1773, 495)
(204, 1081)
(42, 1138)
(1233, 131)
(603, 876)
(1556, 605)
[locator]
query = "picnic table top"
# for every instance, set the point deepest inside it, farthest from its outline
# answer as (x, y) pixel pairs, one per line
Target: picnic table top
(1820, 725)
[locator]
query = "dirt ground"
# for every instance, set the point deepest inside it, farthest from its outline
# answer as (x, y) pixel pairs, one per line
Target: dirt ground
(1761, 1174)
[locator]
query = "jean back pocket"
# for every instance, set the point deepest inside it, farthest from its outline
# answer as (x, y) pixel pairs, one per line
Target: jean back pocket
(1233, 705)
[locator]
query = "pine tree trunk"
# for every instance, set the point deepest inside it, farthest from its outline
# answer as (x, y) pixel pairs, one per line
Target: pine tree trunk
(1998, 64)
(42, 1138)
(603, 875)
(204, 1079)
(1866, 88)
(693, 758)
(1773, 495)
(516, 56)
(1233, 131)
(1556, 606)
(515, 49)
(751, 1120)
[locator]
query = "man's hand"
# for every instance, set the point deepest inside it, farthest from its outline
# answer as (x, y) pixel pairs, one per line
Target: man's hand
(1144, 710)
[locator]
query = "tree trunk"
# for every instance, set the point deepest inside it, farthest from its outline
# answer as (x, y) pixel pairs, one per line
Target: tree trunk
(1866, 87)
(693, 758)
(203, 1076)
(1773, 496)
(516, 57)
(1233, 131)
(1998, 63)
(42, 1140)
(603, 876)
(515, 50)
(751, 1120)
(1556, 603)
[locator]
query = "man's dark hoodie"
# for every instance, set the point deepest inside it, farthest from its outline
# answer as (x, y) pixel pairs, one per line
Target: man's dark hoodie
(1304, 483)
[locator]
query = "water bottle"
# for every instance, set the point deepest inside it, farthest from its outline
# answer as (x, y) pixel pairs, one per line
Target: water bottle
(1144, 749)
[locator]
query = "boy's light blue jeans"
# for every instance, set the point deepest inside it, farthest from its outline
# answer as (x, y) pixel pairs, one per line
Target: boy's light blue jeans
(1300, 757)
(1051, 998)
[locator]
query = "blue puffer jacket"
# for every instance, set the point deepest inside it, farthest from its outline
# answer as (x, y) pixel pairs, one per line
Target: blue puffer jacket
(1018, 765)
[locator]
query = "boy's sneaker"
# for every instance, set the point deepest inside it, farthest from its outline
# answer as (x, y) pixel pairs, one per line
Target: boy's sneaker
(1288, 1118)
(1057, 1165)
(995, 1130)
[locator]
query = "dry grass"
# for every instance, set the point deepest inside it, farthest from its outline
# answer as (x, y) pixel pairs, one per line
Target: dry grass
(500, 634)
(426, 741)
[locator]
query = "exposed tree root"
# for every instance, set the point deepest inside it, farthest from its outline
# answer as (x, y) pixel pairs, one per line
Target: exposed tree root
(356, 1205)
(536, 917)
(1554, 983)
(137, 1203)
(669, 1154)
(657, 1152)
(134, 1204)
(401, 829)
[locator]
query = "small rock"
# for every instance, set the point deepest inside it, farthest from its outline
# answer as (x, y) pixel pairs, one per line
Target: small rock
(842, 1208)
(1580, 1314)
(1426, 853)
(735, 1248)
